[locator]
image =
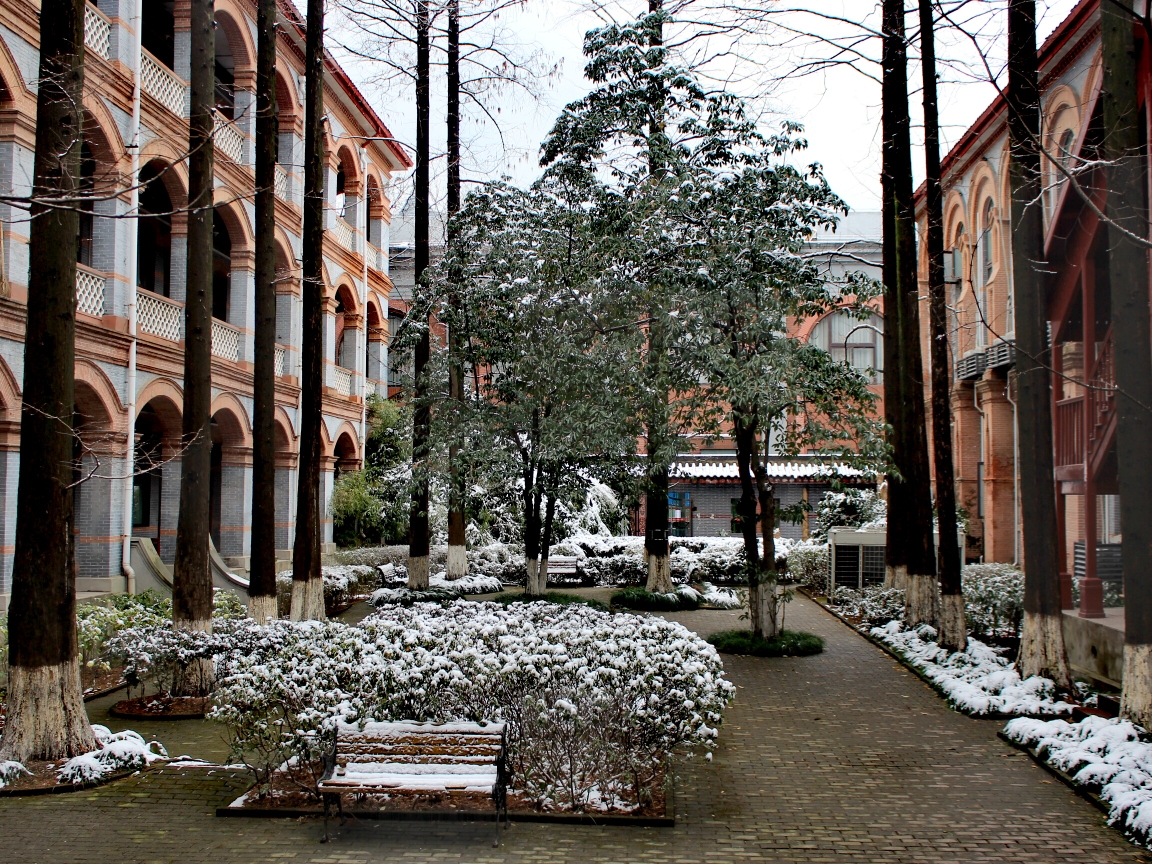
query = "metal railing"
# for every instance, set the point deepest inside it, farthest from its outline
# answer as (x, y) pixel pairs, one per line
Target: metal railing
(159, 315)
(228, 139)
(97, 31)
(279, 362)
(1070, 431)
(160, 82)
(342, 378)
(89, 290)
(344, 233)
(1103, 386)
(225, 341)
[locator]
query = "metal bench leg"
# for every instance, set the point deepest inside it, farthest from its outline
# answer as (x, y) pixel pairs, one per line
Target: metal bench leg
(326, 805)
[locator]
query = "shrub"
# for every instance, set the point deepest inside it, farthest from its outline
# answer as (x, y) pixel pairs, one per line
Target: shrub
(993, 599)
(872, 606)
(851, 508)
(809, 563)
(654, 601)
(557, 597)
(595, 702)
(357, 516)
(618, 569)
(786, 643)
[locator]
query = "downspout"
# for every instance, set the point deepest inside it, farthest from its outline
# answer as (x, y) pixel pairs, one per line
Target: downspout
(982, 469)
(364, 262)
(130, 304)
(1015, 475)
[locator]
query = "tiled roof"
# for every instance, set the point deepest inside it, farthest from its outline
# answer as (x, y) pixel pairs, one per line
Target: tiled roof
(788, 470)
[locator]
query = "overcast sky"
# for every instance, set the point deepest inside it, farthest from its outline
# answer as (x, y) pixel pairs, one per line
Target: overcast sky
(839, 108)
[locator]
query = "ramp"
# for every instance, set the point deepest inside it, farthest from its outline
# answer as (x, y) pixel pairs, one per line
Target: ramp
(151, 572)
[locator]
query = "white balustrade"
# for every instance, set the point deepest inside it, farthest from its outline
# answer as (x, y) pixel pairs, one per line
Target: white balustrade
(97, 32)
(159, 315)
(160, 82)
(225, 341)
(344, 233)
(279, 360)
(228, 139)
(89, 291)
(281, 183)
(369, 387)
(343, 381)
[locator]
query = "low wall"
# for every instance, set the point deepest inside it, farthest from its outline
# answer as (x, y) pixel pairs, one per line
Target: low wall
(1095, 646)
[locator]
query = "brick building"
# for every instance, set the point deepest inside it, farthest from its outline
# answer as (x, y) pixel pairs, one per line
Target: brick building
(142, 262)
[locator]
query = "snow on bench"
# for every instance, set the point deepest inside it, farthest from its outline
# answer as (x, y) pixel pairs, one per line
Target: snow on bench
(562, 565)
(416, 759)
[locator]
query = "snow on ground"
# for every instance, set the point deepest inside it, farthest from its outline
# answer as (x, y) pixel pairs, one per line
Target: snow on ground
(1106, 756)
(976, 680)
(116, 751)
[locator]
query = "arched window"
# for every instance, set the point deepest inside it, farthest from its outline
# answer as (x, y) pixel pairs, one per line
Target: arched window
(986, 262)
(341, 193)
(87, 221)
(851, 340)
(154, 234)
(341, 331)
(957, 254)
(221, 267)
(158, 30)
(225, 75)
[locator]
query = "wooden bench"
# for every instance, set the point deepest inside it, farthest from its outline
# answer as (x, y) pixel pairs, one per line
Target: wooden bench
(563, 565)
(416, 759)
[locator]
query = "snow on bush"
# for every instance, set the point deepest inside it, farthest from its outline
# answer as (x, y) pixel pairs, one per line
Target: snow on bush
(466, 585)
(721, 598)
(498, 561)
(993, 599)
(1111, 757)
(809, 563)
(852, 508)
(342, 583)
(11, 771)
(595, 701)
(976, 680)
(875, 606)
(116, 751)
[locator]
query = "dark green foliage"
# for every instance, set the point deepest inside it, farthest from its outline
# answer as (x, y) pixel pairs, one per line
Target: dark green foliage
(652, 601)
(556, 597)
(787, 643)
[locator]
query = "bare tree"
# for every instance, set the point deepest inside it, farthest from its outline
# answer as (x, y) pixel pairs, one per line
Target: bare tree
(262, 574)
(191, 577)
(45, 717)
(307, 584)
(953, 628)
(1042, 639)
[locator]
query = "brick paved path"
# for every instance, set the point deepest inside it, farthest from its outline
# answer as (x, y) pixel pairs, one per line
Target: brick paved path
(842, 757)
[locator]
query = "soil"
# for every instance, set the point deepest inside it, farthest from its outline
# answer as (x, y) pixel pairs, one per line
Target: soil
(97, 682)
(43, 778)
(163, 707)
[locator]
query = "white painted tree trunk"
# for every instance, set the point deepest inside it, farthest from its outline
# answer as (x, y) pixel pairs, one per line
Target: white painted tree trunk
(537, 582)
(299, 608)
(659, 574)
(261, 609)
(315, 600)
(953, 626)
(45, 714)
(1136, 700)
(896, 577)
(1042, 649)
(457, 565)
(762, 606)
(418, 572)
(922, 600)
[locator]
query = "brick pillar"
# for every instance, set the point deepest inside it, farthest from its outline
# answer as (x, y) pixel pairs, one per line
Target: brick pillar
(999, 472)
(169, 502)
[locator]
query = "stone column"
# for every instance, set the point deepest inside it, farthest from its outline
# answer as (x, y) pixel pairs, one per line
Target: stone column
(999, 471)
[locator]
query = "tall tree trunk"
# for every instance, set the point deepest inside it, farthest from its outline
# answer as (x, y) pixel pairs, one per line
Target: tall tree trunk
(457, 564)
(911, 560)
(766, 606)
(45, 711)
(1126, 150)
(262, 575)
(1042, 638)
(531, 498)
(307, 583)
(541, 587)
(953, 627)
(656, 552)
(761, 594)
(418, 536)
(191, 576)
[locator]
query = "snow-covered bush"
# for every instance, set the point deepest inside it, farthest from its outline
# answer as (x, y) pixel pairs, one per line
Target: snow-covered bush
(993, 599)
(852, 508)
(96, 623)
(498, 561)
(977, 680)
(682, 599)
(711, 559)
(619, 569)
(342, 583)
(721, 598)
(115, 751)
(1111, 757)
(595, 701)
(11, 771)
(809, 563)
(872, 607)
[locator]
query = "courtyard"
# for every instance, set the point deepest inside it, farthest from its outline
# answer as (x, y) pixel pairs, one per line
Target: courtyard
(842, 756)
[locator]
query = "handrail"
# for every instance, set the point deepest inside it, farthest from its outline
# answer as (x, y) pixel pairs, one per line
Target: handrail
(90, 285)
(164, 85)
(97, 31)
(160, 316)
(225, 340)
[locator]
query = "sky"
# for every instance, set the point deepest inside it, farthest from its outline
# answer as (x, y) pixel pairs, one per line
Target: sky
(839, 107)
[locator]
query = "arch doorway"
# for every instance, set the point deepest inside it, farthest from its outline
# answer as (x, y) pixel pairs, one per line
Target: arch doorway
(154, 234)
(221, 268)
(229, 485)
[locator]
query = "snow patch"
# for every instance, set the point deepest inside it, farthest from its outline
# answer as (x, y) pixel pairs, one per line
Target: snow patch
(11, 771)
(116, 751)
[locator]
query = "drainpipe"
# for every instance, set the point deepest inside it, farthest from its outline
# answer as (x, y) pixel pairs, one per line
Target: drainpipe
(364, 274)
(130, 305)
(1015, 475)
(984, 467)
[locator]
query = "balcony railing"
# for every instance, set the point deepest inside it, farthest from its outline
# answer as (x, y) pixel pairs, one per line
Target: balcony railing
(228, 139)
(344, 233)
(225, 341)
(159, 316)
(342, 378)
(89, 291)
(1103, 387)
(97, 32)
(160, 82)
(279, 363)
(281, 183)
(1070, 431)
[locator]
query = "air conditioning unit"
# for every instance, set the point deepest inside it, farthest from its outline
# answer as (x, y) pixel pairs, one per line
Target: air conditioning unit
(1001, 355)
(971, 366)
